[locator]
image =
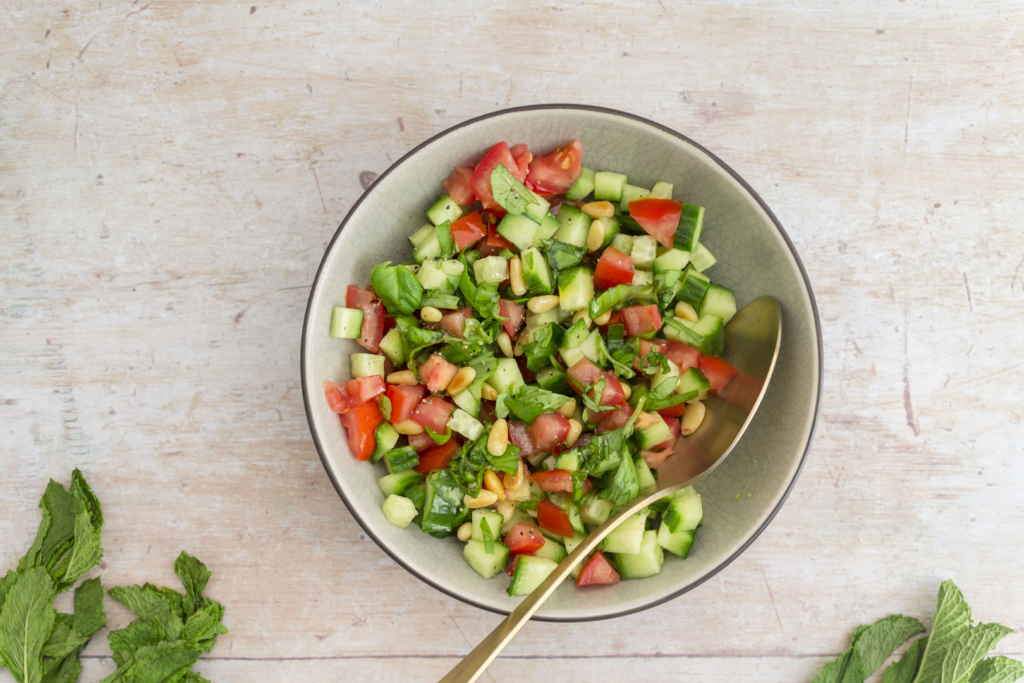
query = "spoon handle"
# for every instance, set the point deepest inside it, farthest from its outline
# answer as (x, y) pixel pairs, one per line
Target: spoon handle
(477, 661)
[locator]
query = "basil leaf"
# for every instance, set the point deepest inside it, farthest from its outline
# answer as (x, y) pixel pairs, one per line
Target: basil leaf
(444, 238)
(543, 343)
(507, 461)
(511, 194)
(561, 256)
(385, 407)
(397, 287)
(610, 298)
(528, 403)
(439, 299)
(624, 485)
(485, 531)
(439, 439)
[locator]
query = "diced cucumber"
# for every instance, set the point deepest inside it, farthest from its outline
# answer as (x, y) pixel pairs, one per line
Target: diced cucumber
(386, 437)
(643, 278)
(392, 347)
(611, 229)
(684, 514)
(553, 379)
(429, 248)
(494, 522)
(490, 269)
(444, 209)
(506, 375)
(535, 321)
(399, 510)
(552, 550)
(691, 225)
(680, 330)
(627, 537)
(366, 364)
(661, 190)
(469, 398)
(718, 301)
(576, 334)
(520, 230)
(653, 434)
(645, 562)
(397, 484)
(608, 186)
(547, 229)
(465, 424)
(485, 564)
(584, 185)
(645, 249)
(711, 329)
(530, 573)
(575, 289)
(536, 272)
(677, 543)
(693, 385)
(644, 476)
(589, 348)
(517, 516)
(695, 286)
(421, 235)
(401, 459)
(662, 376)
(673, 259)
(568, 461)
(623, 243)
(631, 193)
(571, 543)
(346, 323)
(574, 226)
(597, 511)
(453, 269)
(538, 209)
(432, 276)
(701, 258)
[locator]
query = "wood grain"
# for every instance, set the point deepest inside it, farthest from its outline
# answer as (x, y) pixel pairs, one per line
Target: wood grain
(170, 173)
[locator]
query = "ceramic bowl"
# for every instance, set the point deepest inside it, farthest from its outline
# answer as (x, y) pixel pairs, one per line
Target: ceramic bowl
(755, 257)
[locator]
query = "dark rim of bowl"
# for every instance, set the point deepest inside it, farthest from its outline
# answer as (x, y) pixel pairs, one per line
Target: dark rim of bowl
(738, 179)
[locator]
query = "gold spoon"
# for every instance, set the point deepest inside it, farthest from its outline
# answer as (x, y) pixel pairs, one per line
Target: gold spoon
(752, 347)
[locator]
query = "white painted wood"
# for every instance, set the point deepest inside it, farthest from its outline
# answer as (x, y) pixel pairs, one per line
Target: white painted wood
(170, 173)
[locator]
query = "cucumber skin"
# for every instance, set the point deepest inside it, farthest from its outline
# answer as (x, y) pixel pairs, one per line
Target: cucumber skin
(608, 186)
(530, 573)
(575, 289)
(584, 185)
(346, 323)
(483, 563)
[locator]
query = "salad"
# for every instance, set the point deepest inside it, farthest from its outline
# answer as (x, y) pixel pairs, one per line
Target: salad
(528, 371)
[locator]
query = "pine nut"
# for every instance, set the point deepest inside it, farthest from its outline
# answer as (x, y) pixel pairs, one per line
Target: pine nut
(692, 418)
(595, 238)
(582, 315)
(462, 379)
(603, 319)
(429, 314)
(540, 304)
(403, 377)
(627, 390)
(645, 420)
(497, 440)
(568, 408)
(483, 499)
(686, 311)
(575, 429)
(465, 531)
(532, 513)
(505, 344)
(505, 509)
(518, 348)
(409, 427)
(512, 481)
(488, 393)
(515, 274)
(492, 483)
(598, 209)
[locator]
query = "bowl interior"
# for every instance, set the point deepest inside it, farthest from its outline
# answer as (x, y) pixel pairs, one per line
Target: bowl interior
(754, 259)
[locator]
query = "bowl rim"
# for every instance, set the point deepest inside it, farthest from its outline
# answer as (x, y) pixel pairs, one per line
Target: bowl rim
(743, 183)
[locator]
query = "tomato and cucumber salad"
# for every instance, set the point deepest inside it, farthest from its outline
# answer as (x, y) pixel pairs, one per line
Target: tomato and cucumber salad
(525, 374)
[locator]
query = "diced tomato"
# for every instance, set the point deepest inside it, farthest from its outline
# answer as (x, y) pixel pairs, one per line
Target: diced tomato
(481, 180)
(641, 319)
(513, 314)
(675, 428)
(404, 399)
(454, 322)
(519, 435)
(528, 375)
(718, 372)
(598, 571)
(585, 373)
(389, 322)
(655, 459)
(438, 457)
(554, 519)
(513, 560)
(421, 443)
(373, 316)
(487, 414)
(361, 422)
(458, 187)
(558, 171)
(677, 410)
(524, 538)
(659, 217)
(468, 229)
(493, 243)
(433, 412)
(553, 481)
(613, 268)
(682, 355)
(344, 396)
(437, 372)
(613, 419)
(521, 153)
(549, 430)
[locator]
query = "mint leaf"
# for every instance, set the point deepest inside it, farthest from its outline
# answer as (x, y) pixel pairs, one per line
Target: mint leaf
(869, 647)
(903, 671)
(26, 622)
(997, 670)
(89, 616)
(85, 552)
(149, 601)
(952, 620)
(203, 627)
(969, 649)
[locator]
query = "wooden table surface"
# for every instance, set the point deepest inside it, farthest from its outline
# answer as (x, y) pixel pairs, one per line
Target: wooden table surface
(171, 172)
